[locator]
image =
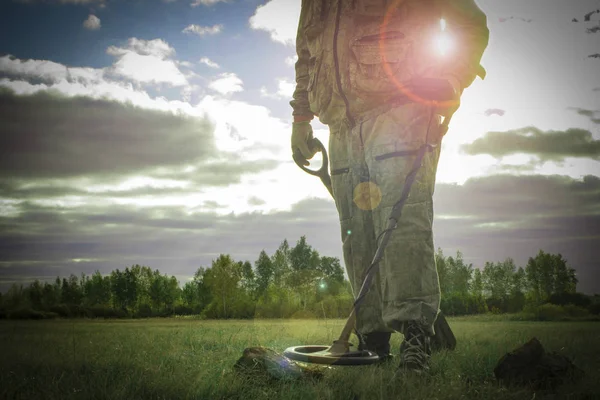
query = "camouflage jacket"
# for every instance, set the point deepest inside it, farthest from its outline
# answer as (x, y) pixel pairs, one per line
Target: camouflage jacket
(356, 55)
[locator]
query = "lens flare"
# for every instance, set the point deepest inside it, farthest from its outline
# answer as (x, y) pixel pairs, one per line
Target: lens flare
(367, 195)
(443, 47)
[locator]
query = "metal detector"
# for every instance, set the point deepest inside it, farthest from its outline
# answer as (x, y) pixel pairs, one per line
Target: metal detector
(339, 353)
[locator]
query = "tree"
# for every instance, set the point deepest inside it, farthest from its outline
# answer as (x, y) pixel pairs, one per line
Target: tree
(548, 274)
(248, 281)
(36, 295)
(477, 283)
(51, 294)
(71, 292)
(264, 273)
(444, 273)
(124, 289)
(331, 280)
(304, 274)
(97, 290)
(222, 279)
(281, 263)
(458, 275)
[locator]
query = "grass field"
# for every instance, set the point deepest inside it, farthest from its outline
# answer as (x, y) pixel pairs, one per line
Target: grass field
(189, 358)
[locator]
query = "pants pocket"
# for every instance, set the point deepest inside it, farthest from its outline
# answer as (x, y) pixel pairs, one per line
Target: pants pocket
(341, 181)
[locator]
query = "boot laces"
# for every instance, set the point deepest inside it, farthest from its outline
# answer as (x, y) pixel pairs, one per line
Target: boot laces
(415, 350)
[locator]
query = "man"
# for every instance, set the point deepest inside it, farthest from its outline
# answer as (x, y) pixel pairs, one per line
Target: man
(370, 70)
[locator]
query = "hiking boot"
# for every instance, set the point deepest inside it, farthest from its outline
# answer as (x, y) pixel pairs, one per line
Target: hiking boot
(415, 350)
(377, 342)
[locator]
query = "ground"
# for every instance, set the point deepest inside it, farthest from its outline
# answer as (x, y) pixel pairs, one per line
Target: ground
(182, 358)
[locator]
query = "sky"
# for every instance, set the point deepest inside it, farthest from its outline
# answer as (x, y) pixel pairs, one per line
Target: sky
(156, 132)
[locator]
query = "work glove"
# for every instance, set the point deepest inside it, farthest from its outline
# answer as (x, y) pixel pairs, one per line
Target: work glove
(303, 148)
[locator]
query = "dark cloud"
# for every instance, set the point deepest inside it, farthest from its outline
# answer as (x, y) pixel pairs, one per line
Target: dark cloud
(488, 219)
(493, 111)
(48, 135)
(547, 145)
(588, 16)
(42, 241)
(587, 113)
(502, 216)
(504, 19)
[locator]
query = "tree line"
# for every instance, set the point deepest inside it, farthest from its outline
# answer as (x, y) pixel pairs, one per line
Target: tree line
(292, 282)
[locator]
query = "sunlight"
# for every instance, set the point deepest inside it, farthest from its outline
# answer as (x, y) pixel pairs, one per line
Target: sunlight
(443, 43)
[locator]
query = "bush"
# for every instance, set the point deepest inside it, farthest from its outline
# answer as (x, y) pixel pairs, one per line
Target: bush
(28, 313)
(183, 310)
(593, 309)
(553, 312)
(62, 310)
(577, 299)
(576, 311)
(105, 312)
(333, 306)
(144, 311)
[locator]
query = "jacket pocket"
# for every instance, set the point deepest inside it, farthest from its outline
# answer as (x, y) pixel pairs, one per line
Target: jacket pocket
(380, 62)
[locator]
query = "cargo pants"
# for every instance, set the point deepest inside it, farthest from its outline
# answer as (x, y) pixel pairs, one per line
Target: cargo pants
(369, 163)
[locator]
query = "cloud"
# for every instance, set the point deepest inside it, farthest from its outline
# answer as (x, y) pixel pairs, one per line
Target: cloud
(44, 241)
(156, 48)
(147, 61)
(504, 19)
(227, 116)
(76, 2)
(197, 3)
(588, 113)
(503, 216)
(494, 111)
(50, 135)
(291, 60)
(92, 23)
(227, 83)
(285, 90)
(203, 30)
(47, 72)
(207, 61)
(279, 18)
(488, 219)
(547, 145)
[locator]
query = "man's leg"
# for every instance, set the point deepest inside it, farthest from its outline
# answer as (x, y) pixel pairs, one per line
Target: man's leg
(349, 175)
(408, 280)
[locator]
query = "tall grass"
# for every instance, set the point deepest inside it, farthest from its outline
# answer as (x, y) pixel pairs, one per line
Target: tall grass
(188, 358)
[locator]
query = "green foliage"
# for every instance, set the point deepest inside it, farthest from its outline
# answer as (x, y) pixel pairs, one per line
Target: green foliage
(548, 274)
(553, 312)
(594, 308)
(294, 281)
(28, 313)
(578, 299)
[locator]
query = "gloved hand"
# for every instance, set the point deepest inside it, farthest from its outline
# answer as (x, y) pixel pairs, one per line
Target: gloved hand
(302, 142)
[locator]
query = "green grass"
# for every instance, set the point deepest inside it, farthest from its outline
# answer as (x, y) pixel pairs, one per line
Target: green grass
(188, 358)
